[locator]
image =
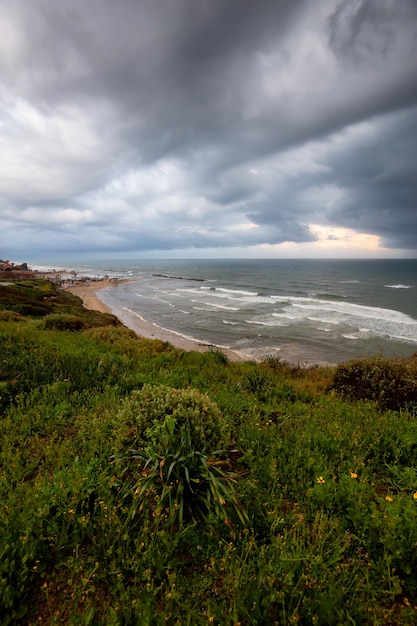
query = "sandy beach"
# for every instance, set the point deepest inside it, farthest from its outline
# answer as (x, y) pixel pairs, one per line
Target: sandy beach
(88, 292)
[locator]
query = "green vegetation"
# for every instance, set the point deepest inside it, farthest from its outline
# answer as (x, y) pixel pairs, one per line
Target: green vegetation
(145, 485)
(389, 382)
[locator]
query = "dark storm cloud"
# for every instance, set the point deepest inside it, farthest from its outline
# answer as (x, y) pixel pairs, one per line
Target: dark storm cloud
(380, 174)
(377, 176)
(144, 124)
(369, 31)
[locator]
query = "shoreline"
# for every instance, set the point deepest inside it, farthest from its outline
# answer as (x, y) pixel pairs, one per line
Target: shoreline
(87, 293)
(143, 328)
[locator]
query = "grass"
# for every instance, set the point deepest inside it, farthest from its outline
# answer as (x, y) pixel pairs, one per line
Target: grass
(298, 498)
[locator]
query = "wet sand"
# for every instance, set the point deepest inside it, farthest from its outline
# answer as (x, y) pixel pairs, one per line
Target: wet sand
(91, 300)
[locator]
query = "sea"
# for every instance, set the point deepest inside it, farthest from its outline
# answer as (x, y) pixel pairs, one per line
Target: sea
(304, 311)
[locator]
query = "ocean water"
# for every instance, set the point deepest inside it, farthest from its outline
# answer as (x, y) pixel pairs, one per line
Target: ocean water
(309, 311)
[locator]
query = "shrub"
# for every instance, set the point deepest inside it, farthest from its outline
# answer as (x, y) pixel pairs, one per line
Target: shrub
(152, 404)
(11, 316)
(62, 321)
(185, 480)
(391, 383)
(114, 335)
(258, 383)
(35, 309)
(276, 363)
(219, 356)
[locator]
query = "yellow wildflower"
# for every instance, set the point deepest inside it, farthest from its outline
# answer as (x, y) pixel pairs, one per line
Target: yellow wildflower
(353, 475)
(388, 498)
(321, 480)
(415, 495)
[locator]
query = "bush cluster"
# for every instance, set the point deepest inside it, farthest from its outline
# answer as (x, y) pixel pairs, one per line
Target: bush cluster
(62, 321)
(29, 298)
(391, 383)
(153, 403)
(10, 316)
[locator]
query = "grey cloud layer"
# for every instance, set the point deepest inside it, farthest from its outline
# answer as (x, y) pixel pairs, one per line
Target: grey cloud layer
(143, 124)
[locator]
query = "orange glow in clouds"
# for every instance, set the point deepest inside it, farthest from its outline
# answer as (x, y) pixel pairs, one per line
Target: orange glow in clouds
(334, 237)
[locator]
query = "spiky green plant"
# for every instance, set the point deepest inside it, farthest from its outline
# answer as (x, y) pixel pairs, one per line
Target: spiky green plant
(189, 484)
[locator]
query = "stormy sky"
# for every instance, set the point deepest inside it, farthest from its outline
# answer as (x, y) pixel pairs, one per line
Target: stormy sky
(208, 128)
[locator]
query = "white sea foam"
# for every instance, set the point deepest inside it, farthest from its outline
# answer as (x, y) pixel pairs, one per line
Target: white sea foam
(215, 305)
(155, 298)
(355, 320)
(187, 290)
(292, 316)
(207, 293)
(237, 291)
(402, 338)
(323, 320)
(223, 307)
(259, 323)
(228, 294)
(45, 268)
(168, 330)
(359, 310)
(189, 337)
(399, 286)
(125, 308)
(293, 299)
(286, 310)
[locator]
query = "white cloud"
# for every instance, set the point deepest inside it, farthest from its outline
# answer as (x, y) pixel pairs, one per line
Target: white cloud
(49, 154)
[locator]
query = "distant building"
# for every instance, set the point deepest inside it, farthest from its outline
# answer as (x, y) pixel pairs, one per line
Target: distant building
(15, 271)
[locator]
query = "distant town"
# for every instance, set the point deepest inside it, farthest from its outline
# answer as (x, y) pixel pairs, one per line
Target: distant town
(63, 278)
(15, 271)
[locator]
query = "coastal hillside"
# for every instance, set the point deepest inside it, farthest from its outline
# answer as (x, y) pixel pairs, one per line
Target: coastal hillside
(143, 484)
